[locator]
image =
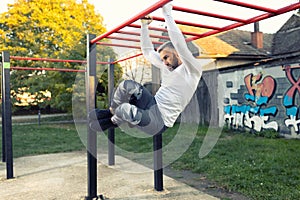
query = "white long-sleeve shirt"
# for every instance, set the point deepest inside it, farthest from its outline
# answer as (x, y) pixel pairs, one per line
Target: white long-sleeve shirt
(179, 85)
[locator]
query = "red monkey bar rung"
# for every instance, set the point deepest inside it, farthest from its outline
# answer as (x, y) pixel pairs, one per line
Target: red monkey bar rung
(187, 23)
(198, 12)
(46, 59)
(247, 5)
(118, 45)
(124, 59)
(51, 60)
(138, 34)
(161, 30)
(47, 69)
(136, 40)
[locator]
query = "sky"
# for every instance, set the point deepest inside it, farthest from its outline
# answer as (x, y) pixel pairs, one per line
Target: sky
(116, 12)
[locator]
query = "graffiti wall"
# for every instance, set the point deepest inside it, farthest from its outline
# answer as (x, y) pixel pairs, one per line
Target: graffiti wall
(263, 98)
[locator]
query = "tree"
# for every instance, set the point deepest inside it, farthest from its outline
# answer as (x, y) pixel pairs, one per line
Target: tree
(49, 28)
(137, 69)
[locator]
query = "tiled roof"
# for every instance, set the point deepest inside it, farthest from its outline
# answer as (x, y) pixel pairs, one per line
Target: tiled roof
(210, 45)
(286, 40)
(242, 41)
(234, 43)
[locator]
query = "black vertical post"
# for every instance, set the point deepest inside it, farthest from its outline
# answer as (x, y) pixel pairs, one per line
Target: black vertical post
(91, 104)
(158, 162)
(2, 113)
(157, 140)
(111, 131)
(7, 114)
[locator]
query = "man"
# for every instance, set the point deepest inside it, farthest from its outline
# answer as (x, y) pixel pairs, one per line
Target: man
(180, 73)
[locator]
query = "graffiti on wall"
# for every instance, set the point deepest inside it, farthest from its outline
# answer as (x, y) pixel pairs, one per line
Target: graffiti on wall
(289, 99)
(256, 113)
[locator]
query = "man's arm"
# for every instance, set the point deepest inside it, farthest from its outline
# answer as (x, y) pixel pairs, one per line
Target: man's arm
(147, 47)
(176, 35)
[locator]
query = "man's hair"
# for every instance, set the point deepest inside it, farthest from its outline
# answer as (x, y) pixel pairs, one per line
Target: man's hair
(165, 45)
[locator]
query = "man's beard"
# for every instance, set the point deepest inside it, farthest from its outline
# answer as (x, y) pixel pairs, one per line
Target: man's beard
(174, 63)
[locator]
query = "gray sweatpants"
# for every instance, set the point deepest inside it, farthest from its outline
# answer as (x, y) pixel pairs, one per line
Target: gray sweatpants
(134, 104)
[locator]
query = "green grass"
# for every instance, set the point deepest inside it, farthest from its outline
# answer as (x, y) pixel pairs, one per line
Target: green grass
(35, 139)
(258, 167)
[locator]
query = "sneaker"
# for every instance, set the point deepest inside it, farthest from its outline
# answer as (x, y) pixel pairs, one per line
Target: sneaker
(100, 114)
(102, 124)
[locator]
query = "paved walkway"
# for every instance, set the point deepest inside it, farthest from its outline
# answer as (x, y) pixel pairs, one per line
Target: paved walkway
(33, 119)
(63, 176)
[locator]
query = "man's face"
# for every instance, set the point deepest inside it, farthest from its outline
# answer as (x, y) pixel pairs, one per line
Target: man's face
(170, 58)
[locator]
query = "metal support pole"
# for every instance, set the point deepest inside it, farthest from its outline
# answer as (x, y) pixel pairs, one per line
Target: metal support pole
(157, 161)
(6, 102)
(91, 104)
(111, 131)
(3, 117)
(39, 117)
(157, 139)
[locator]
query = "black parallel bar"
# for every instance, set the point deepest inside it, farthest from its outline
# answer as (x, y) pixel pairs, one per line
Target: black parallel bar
(111, 131)
(7, 114)
(158, 162)
(91, 104)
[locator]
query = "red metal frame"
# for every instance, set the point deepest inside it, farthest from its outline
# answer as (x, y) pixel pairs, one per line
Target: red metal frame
(51, 60)
(248, 21)
(47, 69)
(187, 23)
(248, 5)
(133, 19)
(236, 22)
(121, 60)
(45, 59)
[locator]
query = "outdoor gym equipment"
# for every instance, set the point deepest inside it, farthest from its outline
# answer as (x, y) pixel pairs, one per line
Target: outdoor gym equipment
(93, 41)
(7, 151)
(91, 68)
